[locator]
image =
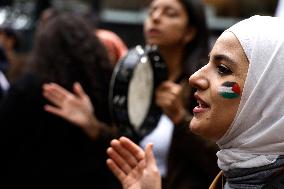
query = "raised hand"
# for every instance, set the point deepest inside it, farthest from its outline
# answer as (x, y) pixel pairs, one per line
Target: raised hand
(75, 108)
(135, 168)
(169, 98)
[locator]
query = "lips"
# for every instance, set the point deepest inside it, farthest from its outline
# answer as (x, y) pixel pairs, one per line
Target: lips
(202, 105)
(153, 32)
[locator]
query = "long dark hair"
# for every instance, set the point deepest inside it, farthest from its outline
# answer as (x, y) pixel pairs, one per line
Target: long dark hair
(196, 51)
(66, 50)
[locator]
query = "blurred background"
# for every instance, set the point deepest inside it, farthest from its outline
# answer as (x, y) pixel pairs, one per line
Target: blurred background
(124, 17)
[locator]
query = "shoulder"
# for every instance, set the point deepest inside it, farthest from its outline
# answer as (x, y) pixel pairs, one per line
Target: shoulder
(217, 182)
(26, 88)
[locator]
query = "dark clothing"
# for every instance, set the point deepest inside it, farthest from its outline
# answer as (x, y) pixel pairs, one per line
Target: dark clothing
(268, 176)
(37, 144)
(274, 181)
(192, 162)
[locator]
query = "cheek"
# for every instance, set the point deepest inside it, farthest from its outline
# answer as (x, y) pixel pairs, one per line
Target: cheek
(177, 29)
(222, 118)
(223, 114)
(229, 90)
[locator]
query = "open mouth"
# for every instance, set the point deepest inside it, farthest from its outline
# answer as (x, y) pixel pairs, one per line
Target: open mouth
(202, 105)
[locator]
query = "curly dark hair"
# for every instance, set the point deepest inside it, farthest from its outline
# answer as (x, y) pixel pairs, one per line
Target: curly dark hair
(66, 50)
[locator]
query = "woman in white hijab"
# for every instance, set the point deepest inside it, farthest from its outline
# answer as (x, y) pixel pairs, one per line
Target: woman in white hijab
(239, 93)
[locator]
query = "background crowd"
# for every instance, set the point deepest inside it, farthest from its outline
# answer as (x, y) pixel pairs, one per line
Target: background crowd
(44, 136)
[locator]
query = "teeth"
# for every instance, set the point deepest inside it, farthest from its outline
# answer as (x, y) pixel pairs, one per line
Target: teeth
(201, 105)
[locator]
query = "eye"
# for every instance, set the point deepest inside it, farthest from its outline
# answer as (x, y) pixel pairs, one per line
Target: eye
(171, 12)
(223, 70)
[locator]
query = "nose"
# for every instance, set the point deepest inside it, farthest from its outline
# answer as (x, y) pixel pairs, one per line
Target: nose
(156, 14)
(199, 79)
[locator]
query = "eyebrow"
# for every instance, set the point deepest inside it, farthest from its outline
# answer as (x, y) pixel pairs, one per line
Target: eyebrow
(222, 57)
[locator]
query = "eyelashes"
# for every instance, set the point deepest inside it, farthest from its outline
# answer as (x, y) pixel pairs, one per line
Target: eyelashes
(223, 70)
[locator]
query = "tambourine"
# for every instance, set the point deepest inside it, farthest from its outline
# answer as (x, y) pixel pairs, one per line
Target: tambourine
(132, 91)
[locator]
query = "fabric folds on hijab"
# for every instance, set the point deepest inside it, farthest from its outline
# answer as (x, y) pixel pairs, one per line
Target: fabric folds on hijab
(255, 137)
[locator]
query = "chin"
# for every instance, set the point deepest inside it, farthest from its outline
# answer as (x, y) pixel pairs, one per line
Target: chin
(153, 41)
(195, 127)
(200, 130)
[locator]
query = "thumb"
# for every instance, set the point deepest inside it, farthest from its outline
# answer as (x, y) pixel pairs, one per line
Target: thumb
(151, 161)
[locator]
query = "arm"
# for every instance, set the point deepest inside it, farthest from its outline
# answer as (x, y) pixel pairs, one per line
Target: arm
(135, 168)
(75, 108)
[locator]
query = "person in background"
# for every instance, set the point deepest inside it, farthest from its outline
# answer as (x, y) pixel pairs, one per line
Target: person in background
(239, 107)
(116, 48)
(39, 145)
(114, 45)
(10, 42)
(280, 9)
(4, 83)
(178, 28)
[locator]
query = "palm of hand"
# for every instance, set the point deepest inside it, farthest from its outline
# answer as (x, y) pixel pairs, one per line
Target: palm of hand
(134, 168)
(77, 110)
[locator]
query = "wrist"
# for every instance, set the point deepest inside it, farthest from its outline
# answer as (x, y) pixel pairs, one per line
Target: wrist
(92, 129)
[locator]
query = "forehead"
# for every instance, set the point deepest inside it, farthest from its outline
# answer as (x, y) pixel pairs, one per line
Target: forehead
(228, 45)
(167, 3)
(227, 42)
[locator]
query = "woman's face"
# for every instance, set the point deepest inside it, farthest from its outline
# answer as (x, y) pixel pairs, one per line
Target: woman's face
(219, 87)
(166, 23)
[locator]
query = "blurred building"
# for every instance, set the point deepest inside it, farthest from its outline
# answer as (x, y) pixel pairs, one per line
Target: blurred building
(125, 17)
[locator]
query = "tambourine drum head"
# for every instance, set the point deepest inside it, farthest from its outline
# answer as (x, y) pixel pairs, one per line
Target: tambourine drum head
(132, 91)
(140, 93)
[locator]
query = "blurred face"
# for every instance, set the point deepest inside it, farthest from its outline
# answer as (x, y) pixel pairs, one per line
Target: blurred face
(219, 86)
(167, 24)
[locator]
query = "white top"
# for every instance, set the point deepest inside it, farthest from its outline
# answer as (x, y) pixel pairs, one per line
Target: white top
(280, 8)
(4, 84)
(161, 137)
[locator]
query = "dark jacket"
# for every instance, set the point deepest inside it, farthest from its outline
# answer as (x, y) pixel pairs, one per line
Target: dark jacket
(274, 182)
(37, 144)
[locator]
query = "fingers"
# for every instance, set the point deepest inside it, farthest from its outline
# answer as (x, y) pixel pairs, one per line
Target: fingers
(125, 154)
(78, 90)
(55, 93)
(167, 93)
(116, 153)
(115, 169)
(53, 110)
(169, 87)
(133, 148)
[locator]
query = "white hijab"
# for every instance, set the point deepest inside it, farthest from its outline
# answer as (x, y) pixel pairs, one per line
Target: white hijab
(256, 136)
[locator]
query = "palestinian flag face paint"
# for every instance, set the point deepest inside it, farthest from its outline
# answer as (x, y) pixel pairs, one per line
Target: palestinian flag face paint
(229, 90)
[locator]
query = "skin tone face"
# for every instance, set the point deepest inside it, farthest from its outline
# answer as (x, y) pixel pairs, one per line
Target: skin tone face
(166, 24)
(227, 63)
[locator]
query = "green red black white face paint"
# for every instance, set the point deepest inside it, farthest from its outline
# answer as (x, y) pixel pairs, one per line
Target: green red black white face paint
(229, 90)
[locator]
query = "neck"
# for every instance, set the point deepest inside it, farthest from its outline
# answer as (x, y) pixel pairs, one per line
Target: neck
(173, 58)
